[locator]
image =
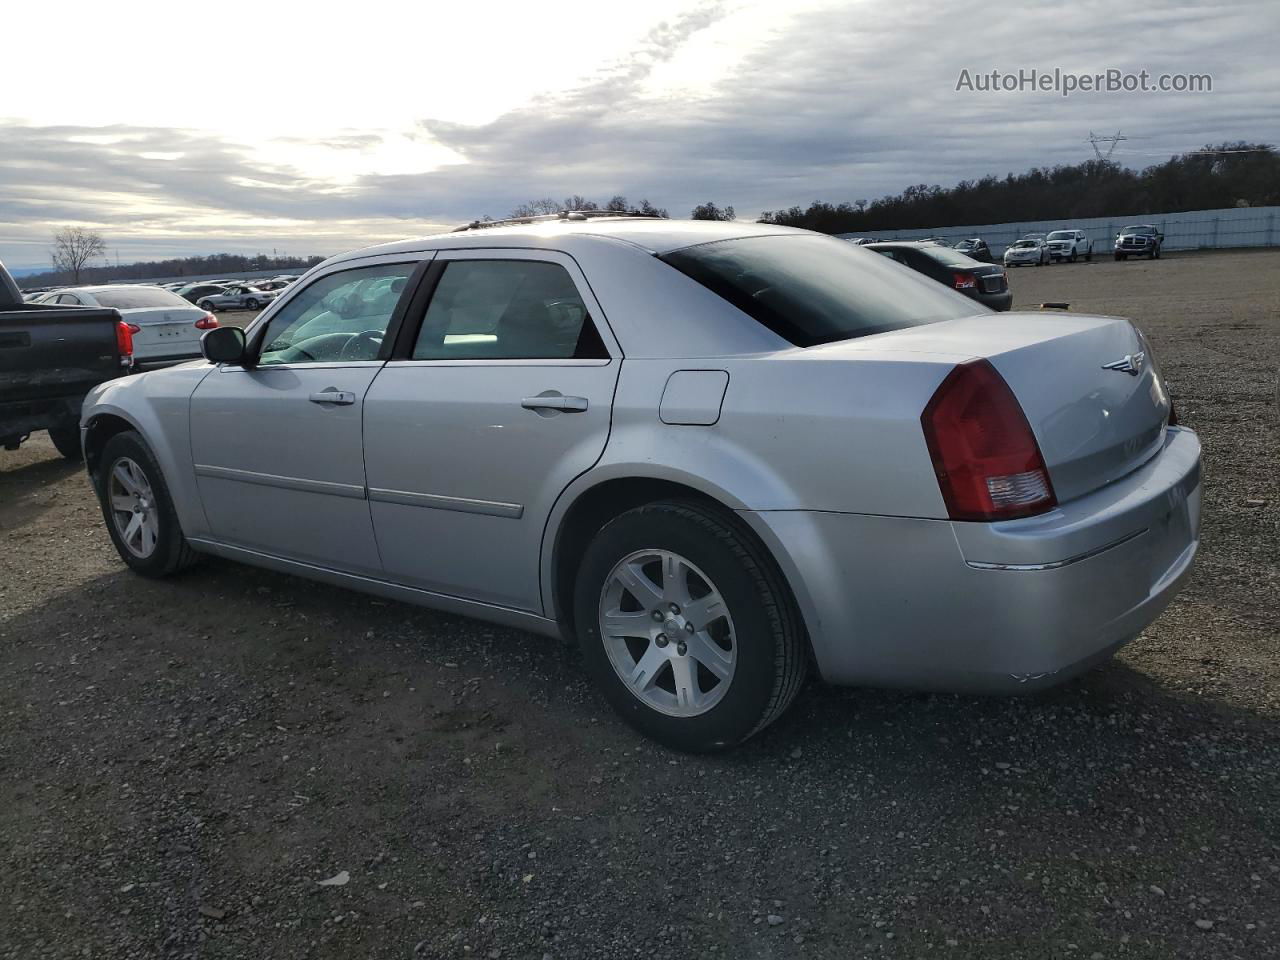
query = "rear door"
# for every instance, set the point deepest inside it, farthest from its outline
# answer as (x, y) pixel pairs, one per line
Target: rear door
(491, 407)
(277, 446)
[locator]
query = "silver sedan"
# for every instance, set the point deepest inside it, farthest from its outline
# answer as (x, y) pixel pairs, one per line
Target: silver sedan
(716, 455)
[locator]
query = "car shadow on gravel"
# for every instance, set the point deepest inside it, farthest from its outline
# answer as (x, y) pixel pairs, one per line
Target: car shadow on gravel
(228, 737)
(25, 493)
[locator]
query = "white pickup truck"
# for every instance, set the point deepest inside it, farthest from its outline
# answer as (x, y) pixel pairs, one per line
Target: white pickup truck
(1070, 245)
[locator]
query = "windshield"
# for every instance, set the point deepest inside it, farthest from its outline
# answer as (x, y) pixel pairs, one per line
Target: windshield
(138, 298)
(1024, 244)
(811, 290)
(1140, 231)
(1062, 235)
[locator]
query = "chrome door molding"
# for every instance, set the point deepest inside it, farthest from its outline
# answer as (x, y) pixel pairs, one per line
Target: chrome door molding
(490, 508)
(351, 490)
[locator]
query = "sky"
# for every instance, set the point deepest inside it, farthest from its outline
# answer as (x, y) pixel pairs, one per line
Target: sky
(312, 128)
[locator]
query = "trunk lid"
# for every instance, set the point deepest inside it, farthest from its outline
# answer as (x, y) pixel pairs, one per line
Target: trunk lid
(1088, 386)
(164, 331)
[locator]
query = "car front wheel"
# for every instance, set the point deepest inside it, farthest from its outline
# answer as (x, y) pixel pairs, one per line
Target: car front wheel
(251, 304)
(207, 306)
(687, 627)
(138, 510)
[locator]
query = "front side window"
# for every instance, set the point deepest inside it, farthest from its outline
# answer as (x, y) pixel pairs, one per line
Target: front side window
(341, 317)
(509, 310)
(812, 290)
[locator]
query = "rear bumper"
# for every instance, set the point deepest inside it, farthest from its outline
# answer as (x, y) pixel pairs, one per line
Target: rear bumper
(20, 417)
(992, 607)
(996, 301)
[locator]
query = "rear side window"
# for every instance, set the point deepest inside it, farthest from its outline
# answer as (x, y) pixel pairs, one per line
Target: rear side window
(137, 299)
(508, 310)
(811, 289)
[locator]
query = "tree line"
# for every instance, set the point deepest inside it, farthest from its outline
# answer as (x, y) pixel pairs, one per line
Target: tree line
(74, 248)
(1227, 175)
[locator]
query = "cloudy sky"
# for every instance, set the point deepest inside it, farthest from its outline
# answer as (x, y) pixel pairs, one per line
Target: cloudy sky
(313, 128)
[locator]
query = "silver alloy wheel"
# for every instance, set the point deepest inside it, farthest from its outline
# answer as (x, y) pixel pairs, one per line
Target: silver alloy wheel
(668, 633)
(133, 508)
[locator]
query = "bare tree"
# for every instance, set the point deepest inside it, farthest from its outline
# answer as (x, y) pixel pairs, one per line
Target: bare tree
(537, 208)
(74, 247)
(709, 211)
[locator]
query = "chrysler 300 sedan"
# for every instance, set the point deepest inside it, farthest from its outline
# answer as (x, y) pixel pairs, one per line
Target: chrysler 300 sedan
(716, 455)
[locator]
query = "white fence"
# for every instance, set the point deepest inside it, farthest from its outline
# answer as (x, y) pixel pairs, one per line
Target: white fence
(1193, 230)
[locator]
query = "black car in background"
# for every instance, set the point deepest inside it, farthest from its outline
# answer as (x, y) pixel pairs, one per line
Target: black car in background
(1139, 240)
(194, 291)
(977, 248)
(985, 282)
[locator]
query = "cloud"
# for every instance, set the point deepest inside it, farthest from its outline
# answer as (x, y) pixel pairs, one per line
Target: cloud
(835, 102)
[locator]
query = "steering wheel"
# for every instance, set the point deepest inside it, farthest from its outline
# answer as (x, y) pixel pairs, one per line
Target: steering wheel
(351, 349)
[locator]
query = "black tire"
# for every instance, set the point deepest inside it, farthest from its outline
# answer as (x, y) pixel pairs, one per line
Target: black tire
(207, 306)
(1088, 256)
(1155, 254)
(251, 304)
(1074, 256)
(1121, 256)
(66, 440)
(772, 650)
(172, 553)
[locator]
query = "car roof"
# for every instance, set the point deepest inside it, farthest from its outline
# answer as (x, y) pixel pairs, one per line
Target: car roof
(651, 234)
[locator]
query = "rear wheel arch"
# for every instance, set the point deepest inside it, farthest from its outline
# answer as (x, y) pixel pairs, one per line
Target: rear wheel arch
(597, 505)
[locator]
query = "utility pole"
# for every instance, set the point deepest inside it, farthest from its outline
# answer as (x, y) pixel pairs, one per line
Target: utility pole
(1095, 140)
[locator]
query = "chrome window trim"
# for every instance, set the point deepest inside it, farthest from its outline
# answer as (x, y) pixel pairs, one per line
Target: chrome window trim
(504, 362)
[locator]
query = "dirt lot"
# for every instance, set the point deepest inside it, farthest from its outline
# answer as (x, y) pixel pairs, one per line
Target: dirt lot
(181, 762)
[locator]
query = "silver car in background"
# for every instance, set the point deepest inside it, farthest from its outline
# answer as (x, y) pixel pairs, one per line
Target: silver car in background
(1028, 251)
(236, 296)
(715, 454)
(166, 328)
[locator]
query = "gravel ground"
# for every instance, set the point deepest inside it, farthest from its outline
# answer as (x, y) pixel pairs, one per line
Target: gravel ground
(182, 762)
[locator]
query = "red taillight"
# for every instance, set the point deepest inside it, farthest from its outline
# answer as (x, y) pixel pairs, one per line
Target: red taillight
(985, 456)
(207, 322)
(964, 281)
(124, 341)
(134, 328)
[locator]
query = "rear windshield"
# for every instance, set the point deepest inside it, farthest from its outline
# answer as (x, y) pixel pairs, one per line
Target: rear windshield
(947, 257)
(136, 299)
(811, 289)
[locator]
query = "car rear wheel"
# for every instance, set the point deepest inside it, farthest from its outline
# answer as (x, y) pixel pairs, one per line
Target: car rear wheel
(687, 626)
(66, 440)
(207, 305)
(251, 304)
(138, 510)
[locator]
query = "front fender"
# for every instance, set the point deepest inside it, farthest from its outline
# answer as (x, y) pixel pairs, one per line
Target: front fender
(157, 405)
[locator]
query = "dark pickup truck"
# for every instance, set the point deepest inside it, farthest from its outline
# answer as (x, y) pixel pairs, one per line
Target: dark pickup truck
(50, 357)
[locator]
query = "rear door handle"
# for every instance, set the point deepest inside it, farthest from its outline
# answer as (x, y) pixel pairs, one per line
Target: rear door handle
(336, 397)
(553, 401)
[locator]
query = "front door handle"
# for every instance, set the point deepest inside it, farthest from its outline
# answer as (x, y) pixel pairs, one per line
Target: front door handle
(339, 398)
(554, 401)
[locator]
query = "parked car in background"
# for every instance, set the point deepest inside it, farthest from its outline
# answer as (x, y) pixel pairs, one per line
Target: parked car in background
(1139, 240)
(976, 248)
(986, 283)
(861, 241)
(166, 328)
(1026, 252)
(51, 356)
(272, 285)
(1069, 245)
(819, 456)
(194, 291)
(237, 297)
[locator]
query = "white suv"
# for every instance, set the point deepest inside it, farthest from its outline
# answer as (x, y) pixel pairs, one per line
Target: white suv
(1070, 245)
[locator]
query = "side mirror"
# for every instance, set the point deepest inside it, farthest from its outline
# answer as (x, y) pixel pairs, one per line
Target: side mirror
(223, 345)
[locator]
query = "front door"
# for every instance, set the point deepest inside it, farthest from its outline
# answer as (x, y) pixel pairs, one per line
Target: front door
(501, 399)
(277, 445)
